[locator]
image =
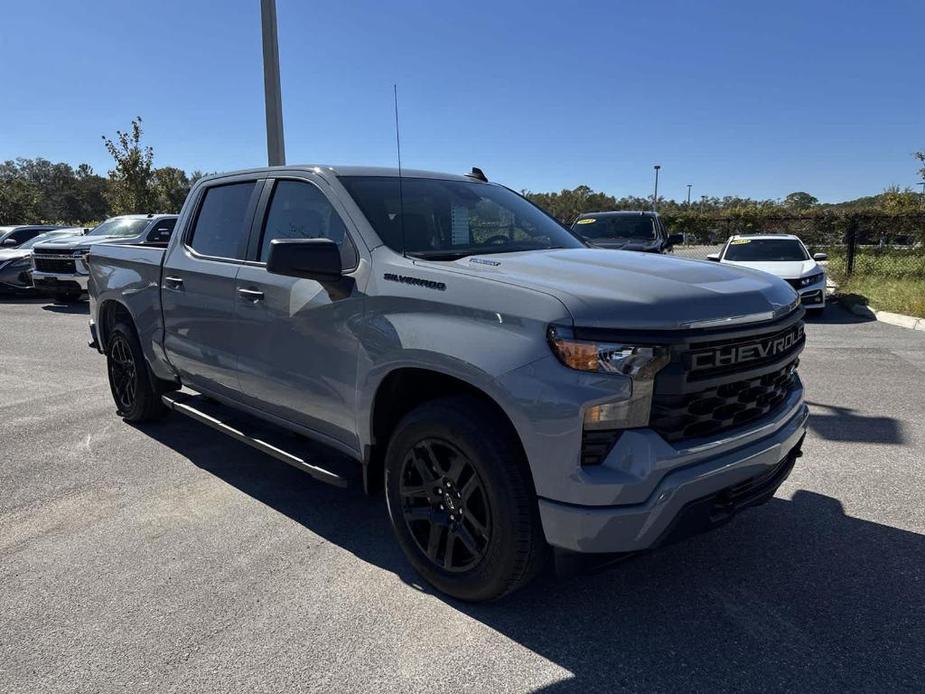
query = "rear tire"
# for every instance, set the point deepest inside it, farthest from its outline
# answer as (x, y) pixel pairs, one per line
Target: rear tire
(462, 502)
(136, 392)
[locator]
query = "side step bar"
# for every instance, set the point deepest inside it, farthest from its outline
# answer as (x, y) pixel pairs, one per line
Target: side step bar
(266, 438)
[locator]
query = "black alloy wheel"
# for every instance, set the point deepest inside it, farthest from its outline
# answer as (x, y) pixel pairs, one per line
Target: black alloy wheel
(444, 505)
(123, 373)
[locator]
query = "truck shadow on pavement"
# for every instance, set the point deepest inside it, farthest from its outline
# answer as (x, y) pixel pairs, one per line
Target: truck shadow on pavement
(836, 423)
(794, 595)
(835, 314)
(81, 308)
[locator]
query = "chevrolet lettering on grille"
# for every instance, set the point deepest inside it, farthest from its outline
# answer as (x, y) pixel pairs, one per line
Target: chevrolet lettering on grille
(731, 355)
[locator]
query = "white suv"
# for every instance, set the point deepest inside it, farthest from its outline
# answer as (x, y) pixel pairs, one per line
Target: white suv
(782, 255)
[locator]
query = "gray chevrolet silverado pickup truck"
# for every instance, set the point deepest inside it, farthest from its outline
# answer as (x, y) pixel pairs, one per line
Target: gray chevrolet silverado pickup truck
(510, 388)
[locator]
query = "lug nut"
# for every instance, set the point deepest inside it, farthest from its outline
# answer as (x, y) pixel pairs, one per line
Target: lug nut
(452, 517)
(441, 507)
(448, 484)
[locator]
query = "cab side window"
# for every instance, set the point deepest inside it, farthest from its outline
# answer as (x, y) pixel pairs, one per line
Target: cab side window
(223, 222)
(298, 210)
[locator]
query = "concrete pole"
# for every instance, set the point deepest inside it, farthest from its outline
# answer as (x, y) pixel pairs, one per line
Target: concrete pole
(655, 197)
(276, 149)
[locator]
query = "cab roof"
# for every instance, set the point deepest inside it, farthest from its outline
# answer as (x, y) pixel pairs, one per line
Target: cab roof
(327, 169)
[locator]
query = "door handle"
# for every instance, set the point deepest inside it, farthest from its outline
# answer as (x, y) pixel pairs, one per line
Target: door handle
(250, 294)
(173, 282)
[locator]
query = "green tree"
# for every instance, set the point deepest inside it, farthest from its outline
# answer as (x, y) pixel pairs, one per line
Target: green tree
(171, 185)
(800, 201)
(131, 187)
(921, 158)
(18, 201)
(898, 200)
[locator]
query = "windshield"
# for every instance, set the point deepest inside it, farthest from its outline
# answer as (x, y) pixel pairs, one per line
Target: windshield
(120, 226)
(744, 250)
(616, 227)
(450, 219)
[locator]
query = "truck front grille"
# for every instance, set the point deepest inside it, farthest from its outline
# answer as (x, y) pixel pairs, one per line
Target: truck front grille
(715, 409)
(58, 265)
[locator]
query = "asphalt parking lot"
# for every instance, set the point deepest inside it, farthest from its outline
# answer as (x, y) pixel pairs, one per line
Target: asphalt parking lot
(167, 558)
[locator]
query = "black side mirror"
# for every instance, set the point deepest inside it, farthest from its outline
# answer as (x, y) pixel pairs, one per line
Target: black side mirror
(675, 238)
(312, 259)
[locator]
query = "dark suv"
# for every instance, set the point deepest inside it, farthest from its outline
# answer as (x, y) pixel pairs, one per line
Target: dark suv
(625, 231)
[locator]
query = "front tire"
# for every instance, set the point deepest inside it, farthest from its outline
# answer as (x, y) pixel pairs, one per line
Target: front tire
(462, 502)
(134, 389)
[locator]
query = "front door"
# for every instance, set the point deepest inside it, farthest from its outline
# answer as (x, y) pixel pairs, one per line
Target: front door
(297, 358)
(198, 287)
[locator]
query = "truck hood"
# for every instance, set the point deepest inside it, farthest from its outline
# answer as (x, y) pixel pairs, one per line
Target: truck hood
(789, 269)
(641, 291)
(82, 241)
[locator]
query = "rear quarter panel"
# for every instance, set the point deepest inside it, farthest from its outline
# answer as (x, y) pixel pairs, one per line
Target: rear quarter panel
(130, 276)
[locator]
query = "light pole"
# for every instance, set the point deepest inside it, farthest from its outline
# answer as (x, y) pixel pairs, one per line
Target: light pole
(276, 149)
(655, 197)
(689, 194)
(922, 183)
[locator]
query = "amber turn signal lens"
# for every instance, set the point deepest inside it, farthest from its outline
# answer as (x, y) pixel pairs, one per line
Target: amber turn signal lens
(577, 355)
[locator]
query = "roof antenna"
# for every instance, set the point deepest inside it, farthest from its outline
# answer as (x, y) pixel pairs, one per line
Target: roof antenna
(401, 197)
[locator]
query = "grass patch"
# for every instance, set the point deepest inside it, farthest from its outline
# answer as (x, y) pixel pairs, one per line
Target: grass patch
(905, 296)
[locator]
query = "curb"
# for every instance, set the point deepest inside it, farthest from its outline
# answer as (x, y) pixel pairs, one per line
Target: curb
(910, 322)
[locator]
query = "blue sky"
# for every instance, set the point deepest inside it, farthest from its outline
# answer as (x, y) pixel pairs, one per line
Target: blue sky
(747, 98)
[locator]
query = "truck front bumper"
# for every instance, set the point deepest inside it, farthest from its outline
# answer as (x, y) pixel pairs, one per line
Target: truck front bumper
(687, 500)
(53, 281)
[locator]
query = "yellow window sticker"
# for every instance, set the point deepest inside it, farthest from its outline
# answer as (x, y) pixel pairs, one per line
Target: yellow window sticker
(735, 242)
(589, 220)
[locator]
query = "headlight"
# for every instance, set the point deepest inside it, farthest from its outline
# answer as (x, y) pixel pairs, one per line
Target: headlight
(637, 361)
(81, 253)
(812, 279)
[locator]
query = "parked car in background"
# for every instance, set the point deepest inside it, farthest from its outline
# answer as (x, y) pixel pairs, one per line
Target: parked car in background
(507, 385)
(626, 231)
(15, 235)
(782, 255)
(16, 263)
(59, 266)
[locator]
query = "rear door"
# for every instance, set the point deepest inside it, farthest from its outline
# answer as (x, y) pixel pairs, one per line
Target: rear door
(298, 359)
(198, 286)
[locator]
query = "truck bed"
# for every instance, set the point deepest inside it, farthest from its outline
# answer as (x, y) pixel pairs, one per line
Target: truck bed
(130, 274)
(126, 269)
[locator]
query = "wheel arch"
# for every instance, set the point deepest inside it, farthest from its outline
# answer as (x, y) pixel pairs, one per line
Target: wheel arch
(404, 388)
(109, 313)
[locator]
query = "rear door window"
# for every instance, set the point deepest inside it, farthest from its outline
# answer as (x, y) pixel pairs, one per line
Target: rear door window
(224, 220)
